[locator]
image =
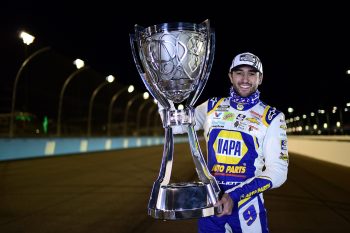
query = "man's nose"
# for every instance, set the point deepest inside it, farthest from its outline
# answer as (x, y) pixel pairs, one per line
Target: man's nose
(245, 76)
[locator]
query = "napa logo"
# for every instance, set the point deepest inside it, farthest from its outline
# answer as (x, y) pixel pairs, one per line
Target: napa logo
(230, 147)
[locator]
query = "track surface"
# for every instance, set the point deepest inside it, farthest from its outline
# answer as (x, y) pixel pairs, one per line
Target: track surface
(108, 193)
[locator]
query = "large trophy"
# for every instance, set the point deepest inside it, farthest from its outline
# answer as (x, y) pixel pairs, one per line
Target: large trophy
(174, 61)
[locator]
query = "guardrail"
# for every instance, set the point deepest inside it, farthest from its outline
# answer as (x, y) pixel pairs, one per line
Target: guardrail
(11, 149)
(333, 149)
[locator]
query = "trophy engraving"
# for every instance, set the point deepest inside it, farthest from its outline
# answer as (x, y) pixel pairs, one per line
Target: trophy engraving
(174, 61)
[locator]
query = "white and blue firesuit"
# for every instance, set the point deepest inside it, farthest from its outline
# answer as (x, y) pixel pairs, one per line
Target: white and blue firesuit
(247, 154)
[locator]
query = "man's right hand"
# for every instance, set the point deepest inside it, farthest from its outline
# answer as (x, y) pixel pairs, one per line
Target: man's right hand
(227, 204)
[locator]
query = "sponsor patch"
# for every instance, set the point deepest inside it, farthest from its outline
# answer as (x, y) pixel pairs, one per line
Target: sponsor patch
(284, 157)
(253, 120)
(283, 144)
(228, 116)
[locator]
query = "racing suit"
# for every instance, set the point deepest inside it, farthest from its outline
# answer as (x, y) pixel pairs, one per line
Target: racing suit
(247, 154)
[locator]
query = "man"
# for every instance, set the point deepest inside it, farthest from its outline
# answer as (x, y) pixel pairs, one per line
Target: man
(247, 149)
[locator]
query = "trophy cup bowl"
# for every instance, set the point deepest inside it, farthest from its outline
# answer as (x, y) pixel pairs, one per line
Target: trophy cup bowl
(174, 61)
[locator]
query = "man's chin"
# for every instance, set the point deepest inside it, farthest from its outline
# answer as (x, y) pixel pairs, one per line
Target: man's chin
(244, 93)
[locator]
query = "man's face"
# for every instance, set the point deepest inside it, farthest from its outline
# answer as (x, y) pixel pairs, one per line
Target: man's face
(245, 80)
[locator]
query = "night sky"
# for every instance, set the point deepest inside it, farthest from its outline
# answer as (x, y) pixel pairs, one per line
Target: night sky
(304, 50)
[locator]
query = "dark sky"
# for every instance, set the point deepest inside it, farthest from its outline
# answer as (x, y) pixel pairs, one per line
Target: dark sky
(304, 50)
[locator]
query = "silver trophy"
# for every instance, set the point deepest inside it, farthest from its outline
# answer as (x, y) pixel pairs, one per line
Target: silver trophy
(174, 61)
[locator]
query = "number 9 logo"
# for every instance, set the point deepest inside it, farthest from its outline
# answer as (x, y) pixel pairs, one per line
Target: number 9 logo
(250, 215)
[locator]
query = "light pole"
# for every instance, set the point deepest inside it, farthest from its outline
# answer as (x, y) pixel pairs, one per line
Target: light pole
(109, 79)
(26, 61)
(139, 114)
(80, 67)
(156, 122)
(341, 125)
(145, 96)
(149, 116)
(130, 89)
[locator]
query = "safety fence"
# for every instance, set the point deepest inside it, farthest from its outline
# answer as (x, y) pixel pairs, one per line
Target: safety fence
(12, 149)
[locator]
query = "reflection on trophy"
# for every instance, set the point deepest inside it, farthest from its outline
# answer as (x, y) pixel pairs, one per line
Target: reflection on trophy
(174, 61)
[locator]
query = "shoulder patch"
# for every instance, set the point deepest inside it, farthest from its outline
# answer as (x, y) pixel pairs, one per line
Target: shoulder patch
(213, 103)
(262, 104)
(269, 114)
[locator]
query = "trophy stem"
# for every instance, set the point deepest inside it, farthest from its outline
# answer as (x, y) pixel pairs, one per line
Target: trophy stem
(187, 199)
(164, 172)
(167, 160)
(201, 167)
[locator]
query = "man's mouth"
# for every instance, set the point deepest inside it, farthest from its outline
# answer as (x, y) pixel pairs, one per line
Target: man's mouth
(245, 86)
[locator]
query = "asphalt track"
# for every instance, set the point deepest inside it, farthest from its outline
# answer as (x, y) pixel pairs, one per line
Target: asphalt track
(108, 193)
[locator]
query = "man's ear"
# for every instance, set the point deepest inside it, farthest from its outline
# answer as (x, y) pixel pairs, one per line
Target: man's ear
(230, 76)
(260, 79)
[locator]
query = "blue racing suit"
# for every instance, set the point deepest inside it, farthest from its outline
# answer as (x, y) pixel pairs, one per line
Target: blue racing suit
(247, 154)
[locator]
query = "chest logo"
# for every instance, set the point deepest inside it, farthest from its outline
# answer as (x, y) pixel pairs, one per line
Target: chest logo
(240, 106)
(230, 147)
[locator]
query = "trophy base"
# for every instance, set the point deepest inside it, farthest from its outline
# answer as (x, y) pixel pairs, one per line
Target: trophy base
(182, 214)
(183, 201)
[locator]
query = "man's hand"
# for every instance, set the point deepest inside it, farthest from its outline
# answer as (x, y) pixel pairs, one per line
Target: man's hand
(227, 204)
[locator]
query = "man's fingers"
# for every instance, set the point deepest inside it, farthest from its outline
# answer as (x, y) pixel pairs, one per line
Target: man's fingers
(223, 212)
(219, 203)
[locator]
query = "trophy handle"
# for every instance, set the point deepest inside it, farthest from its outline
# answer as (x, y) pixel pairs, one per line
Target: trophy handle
(209, 57)
(150, 86)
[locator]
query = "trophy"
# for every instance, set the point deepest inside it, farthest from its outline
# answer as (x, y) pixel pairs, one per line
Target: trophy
(174, 61)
